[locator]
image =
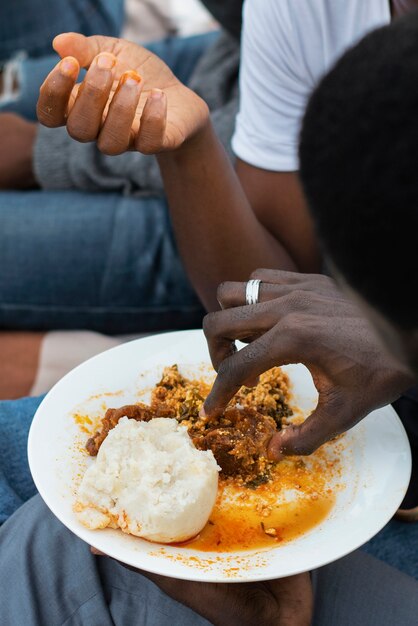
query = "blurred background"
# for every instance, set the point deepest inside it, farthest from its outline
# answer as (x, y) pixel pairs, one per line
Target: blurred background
(148, 20)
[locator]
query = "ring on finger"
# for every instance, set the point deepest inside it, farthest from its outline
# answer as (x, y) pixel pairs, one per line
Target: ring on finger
(252, 291)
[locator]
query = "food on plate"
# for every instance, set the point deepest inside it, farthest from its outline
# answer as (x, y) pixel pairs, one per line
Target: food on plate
(177, 396)
(256, 504)
(140, 412)
(149, 480)
(238, 437)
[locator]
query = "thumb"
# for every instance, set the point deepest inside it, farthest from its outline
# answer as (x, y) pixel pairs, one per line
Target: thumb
(305, 438)
(84, 49)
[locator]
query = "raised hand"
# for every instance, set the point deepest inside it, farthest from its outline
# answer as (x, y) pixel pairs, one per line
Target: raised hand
(305, 319)
(129, 98)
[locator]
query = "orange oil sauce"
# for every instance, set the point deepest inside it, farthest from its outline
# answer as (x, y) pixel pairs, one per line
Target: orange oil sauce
(84, 422)
(247, 519)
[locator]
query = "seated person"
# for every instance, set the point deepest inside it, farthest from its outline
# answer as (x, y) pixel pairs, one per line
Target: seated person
(255, 216)
(356, 589)
(135, 282)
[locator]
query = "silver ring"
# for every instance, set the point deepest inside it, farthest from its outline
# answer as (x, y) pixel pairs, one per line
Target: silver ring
(252, 291)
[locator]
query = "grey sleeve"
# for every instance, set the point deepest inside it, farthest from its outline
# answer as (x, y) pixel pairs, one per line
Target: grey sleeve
(62, 163)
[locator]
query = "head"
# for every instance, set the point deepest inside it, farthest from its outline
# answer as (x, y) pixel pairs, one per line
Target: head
(359, 170)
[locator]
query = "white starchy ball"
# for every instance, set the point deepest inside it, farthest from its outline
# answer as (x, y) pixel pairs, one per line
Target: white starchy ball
(150, 481)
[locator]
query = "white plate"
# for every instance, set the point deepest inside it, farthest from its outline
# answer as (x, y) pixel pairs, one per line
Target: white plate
(376, 467)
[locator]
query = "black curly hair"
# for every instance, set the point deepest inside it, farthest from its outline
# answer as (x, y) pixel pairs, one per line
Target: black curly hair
(359, 167)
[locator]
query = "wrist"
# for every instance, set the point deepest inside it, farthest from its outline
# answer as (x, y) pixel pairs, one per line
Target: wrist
(199, 144)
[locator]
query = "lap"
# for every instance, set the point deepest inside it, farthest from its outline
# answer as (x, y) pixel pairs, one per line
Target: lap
(60, 582)
(103, 262)
(364, 591)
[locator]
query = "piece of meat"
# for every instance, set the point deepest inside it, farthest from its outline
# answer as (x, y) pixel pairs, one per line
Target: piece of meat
(239, 442)
(238, 438)
(139, 412)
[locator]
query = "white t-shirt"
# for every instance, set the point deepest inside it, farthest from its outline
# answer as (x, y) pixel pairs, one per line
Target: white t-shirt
(288, 45)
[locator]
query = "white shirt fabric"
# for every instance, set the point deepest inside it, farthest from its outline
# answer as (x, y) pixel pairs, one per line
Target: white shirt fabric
(287, 46)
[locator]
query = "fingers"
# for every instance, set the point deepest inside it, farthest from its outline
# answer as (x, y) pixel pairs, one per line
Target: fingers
(85, 117)
(223, 328)
(83, 114)
(247, 364)
(315, 283)
(116, 135)
(296, 440)
(230, 294)
(329, 419)
(118, 120)
(84, 49)
(55, 98)
(277, 276)
(274, 284)
(55, 93)
(151, 136)
(277, 284)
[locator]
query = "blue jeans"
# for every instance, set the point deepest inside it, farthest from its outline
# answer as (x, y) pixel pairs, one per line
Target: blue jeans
(31, 25)
(98, 261)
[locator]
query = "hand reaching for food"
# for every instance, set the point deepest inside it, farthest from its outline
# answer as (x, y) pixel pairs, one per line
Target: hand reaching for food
(301, 318)
(129, 98)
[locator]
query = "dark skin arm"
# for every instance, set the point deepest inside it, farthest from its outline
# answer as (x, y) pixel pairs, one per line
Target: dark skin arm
(225, 224)
(217, 230)
(16, 148)
(278, 203)
(302, 319)
(222, 234)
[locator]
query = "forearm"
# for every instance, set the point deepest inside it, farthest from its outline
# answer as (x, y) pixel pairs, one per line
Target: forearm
(218, 235)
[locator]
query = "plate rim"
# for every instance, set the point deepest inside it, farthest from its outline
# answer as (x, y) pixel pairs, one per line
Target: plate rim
(196, 574)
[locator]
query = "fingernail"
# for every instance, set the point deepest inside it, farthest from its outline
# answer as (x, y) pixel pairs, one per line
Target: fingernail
(157, 94)
(202, 412)
(69, 66)
(131, 79)
(105, 61)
